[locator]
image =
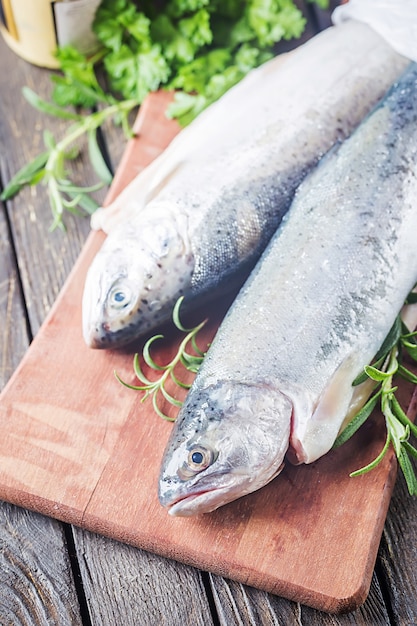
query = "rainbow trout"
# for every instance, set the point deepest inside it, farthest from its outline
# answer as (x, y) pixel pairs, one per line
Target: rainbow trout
(313, 313)
(198, 218)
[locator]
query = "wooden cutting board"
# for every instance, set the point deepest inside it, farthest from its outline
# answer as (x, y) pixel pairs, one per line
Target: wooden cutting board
(78, 446)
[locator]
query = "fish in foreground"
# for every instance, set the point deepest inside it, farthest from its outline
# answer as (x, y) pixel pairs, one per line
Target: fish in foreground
(315, 310)
(198, 218)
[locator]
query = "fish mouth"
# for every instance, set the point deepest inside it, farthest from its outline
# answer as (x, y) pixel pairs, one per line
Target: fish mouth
(199, 503)
(208, 500)
(103, 337)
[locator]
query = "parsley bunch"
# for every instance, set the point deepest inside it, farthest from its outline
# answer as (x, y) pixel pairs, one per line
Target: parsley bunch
(200, 48)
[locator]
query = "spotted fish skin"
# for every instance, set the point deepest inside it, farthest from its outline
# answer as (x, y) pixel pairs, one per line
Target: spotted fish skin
(313, 313)
(215, 203)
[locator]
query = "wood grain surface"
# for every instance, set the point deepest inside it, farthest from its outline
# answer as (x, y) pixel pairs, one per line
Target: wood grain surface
(79, 447)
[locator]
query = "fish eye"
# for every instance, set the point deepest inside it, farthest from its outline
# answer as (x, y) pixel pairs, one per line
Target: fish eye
(119, 297)
(199, 458)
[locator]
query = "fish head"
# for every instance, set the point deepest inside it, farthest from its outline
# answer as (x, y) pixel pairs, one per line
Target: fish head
(136, 277)
(229, 439)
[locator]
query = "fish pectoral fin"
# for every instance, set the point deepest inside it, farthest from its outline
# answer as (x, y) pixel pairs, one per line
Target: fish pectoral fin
(314, 432)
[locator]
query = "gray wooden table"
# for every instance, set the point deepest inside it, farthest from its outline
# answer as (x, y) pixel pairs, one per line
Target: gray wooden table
(53, 573)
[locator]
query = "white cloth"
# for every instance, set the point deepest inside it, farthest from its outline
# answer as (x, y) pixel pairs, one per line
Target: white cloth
(394, 20)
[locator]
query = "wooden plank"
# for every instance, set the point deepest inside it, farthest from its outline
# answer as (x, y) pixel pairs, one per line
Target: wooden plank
(398, 555)
(34, 564)
(36, 580)
(13, 334)
(81, 460)
(30, 215)
(239, 604)
(141, 587)
(30, 218)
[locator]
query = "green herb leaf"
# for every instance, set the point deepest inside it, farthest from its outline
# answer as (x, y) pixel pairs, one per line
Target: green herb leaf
(411, 348)
(364, 376)
(97, 159)
(78, 86)
(28, 175)
(359, 419)
(376, 374)
(176, 47)
(399, 426)
(47, 107)
(405, 373)
(408, 471)
(391, 339)
(375, 462)
(190, 362)
(135, 74)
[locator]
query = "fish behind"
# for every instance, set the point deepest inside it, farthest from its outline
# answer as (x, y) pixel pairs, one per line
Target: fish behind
(315, 310)
(197, 219)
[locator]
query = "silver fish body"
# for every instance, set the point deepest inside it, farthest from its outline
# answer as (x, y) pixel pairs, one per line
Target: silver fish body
(313, 313)
(199, 218)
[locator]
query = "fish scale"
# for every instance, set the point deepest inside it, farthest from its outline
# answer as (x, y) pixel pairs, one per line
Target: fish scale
(313, 313)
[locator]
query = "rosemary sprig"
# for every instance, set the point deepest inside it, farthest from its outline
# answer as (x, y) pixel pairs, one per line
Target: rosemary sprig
(190, 361)
(386, 367)
(50, 166)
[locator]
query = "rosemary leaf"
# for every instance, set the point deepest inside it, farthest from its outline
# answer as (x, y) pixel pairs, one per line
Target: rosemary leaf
(391, 339)
(88, 204)
(408, 471)
(402, 416)
(195, 346)
(49, 139)
(176, 315)
(364, 376)
(411, 298)
(147, 356)
(411, 450)
(376, 374)
(359, 419)
(97, 159)
(158, 410)
(138, 371)
(179, 382)
(28, 175)
(48, 107)
(170, 397)
(405, 373)
(129, 386)
(411, 348)
(190, 361)
(375, 462)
